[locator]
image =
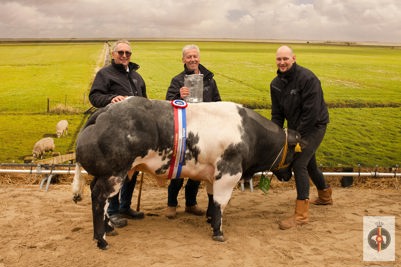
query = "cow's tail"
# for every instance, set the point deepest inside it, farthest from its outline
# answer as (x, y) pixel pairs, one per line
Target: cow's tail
(77, 184)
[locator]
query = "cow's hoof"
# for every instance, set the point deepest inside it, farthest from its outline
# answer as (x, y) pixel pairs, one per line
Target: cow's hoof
(76, 198)
(102, 244)
(219, 238)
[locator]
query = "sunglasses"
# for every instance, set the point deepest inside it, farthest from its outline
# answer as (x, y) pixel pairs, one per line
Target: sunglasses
(127, 53)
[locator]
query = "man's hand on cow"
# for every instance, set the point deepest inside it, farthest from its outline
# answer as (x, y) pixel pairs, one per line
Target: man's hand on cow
(184, 92)
(118, 98)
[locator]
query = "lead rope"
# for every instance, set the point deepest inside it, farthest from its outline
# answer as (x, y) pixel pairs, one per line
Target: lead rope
(264, 183)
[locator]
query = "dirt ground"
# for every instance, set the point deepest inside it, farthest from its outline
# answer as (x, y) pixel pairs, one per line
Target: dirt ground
(46, 228)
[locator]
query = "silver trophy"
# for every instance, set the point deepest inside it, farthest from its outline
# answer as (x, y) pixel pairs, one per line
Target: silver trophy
(195, 84)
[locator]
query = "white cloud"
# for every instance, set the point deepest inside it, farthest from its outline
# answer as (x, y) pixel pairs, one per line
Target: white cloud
(342, 20)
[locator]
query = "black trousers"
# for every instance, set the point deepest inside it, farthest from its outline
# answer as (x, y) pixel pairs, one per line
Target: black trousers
(191, 190)
(122, 201)
(305, 165)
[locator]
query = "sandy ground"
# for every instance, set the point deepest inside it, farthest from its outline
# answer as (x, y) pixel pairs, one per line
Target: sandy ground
(46, 228)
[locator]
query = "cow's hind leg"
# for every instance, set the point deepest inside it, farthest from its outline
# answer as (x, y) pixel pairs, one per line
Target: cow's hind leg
(222, 191)
(102, 189)
(98, 205)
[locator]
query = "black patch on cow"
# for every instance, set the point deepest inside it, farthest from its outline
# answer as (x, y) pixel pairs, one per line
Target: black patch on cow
(163, 169)
(231, 160)
(192, 152)
(192, 148)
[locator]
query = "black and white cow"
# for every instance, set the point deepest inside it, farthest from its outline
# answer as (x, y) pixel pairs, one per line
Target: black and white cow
(225, 142)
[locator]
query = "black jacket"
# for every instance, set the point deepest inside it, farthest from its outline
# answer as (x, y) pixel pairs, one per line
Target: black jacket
(114, 80)
(210, 91)
(297, 96)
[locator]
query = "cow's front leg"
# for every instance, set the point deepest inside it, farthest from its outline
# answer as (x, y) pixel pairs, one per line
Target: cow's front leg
(99, 197)
(210, 205)
(222, 191)
(210, 209)
(216, 222)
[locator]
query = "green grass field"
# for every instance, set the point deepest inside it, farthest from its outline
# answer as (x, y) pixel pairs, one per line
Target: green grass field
(361, 86)
(33, 73)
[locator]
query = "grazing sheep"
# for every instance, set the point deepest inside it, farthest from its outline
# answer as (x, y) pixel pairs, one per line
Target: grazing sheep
(42, 146)
(62, 128)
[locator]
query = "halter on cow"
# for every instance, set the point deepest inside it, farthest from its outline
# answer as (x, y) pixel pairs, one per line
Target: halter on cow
(224, 143)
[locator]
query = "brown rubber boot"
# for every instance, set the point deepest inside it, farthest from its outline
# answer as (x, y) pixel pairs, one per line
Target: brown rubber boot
(300, 217)
(324, 197)
(195, 210)
(170, 212)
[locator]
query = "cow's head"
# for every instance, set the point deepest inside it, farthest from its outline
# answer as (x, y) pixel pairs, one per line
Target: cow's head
(294, 143)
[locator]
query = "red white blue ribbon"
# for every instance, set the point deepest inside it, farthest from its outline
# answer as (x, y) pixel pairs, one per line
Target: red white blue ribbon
(180, 136)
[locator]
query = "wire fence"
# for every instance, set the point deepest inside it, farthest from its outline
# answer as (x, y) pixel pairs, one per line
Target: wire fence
(32, 168)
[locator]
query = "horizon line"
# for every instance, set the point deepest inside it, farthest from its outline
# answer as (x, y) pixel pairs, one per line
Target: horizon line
(172, 39)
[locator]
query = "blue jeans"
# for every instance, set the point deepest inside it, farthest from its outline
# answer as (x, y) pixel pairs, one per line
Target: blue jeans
(122, 202)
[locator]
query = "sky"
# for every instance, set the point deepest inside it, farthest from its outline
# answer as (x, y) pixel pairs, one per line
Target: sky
(306, 20)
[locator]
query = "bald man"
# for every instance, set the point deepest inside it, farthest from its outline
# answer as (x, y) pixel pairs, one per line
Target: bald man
(297, 96)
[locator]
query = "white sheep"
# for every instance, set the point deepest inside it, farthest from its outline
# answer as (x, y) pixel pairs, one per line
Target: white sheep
(42, 146)
(62, 128)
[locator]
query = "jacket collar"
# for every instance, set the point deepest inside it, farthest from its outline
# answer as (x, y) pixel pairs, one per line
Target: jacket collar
(288, 75)
(202, 70)
(131, 66)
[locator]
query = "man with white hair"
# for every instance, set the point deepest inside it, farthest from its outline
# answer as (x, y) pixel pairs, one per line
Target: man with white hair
(177, 90)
